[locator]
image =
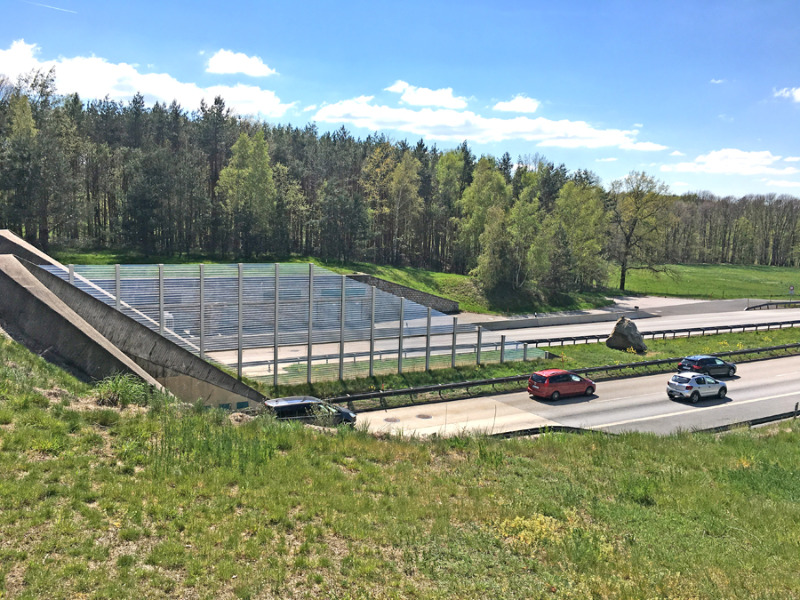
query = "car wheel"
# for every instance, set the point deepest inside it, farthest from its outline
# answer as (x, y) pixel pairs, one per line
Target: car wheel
(723, 391)
(555, 396)
(589, 391)
(731, 371)
(694, 398)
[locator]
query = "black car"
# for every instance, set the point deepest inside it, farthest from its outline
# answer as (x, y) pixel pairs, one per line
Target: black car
(311, 410)
(710, 365)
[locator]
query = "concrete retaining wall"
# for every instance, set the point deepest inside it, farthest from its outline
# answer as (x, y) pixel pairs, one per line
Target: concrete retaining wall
(41, 321)
(547, 321)
(12, 244)
(181, 372)
(435, 302)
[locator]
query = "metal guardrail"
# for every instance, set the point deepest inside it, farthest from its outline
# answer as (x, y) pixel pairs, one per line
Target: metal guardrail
(381, 395)
(770, 305)
(666, 333)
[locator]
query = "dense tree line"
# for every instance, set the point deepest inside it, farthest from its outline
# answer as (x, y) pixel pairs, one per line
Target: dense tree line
(166, 180)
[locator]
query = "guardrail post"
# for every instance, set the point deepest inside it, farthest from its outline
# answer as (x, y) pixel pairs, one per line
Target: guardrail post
(400, 338)
(525, 351)
(453, 349)
(478, 349)
(275, 326)
(428, 342)
(502, 349)
(372, 333)
(71, 276)
(239, 319)
(310, 320)
(161, 299)
(117, 288)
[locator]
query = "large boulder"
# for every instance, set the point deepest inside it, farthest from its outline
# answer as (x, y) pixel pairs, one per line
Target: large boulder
(626, 335)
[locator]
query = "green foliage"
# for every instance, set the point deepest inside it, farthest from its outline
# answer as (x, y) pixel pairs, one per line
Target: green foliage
(122, 390)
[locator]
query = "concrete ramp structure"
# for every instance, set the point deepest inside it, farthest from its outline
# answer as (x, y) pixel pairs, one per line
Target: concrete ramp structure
(71, 328)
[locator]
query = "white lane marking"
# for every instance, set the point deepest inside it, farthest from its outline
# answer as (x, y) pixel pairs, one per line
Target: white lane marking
(694, 410)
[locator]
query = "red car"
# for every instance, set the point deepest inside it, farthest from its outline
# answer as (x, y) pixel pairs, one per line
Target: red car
(554, 383)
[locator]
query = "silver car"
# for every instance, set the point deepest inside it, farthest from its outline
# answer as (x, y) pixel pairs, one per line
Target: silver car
(693, 386)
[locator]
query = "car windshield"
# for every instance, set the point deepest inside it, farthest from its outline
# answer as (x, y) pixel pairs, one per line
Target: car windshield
(679, 379)
(536, 378)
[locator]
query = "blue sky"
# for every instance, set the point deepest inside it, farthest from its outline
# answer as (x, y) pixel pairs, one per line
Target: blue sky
(701, 94)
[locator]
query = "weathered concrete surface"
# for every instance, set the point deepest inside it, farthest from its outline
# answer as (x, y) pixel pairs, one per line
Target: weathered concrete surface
(181, 372)
(41, 321)
(13, 244)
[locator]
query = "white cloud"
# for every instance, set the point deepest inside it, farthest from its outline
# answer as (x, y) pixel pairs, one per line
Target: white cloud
(310, 108)
(717, 81)
(606, 160)
(518, 104)
(95, 78)
(783, 183)
(419, 96)
(676, 153)
(638, 125)
(793, 93)
(730, 161)
(455, 126)
(229, 62)
(792, 159)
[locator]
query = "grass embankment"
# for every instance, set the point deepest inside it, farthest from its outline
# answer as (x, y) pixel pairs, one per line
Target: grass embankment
(569, 357)
(102, 503)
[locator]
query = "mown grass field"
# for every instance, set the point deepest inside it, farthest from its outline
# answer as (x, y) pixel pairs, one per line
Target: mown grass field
(161, 502)
(714, 282)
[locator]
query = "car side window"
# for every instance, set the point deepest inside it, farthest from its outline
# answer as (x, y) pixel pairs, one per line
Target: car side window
(710, 380)
(700, 381)
(575, 378)
(718, 361)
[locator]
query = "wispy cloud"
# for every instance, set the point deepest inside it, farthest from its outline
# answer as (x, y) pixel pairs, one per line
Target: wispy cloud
(420, 96)
(94, 78)
(518, 104)
(717, 81)
(783, 183)
(730, 161)
(66, 10)
(610, 159)
(792, 93)
(229, 62)
(676, 153)
(792, 159)
(455, 125)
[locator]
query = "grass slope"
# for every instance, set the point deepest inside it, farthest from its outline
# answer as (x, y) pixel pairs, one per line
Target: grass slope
(168, 503)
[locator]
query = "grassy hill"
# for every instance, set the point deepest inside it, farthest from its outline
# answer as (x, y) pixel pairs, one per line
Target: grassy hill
(155, 501)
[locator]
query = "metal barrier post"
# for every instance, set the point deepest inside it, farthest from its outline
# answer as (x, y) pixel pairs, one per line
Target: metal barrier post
(428, 342)
(239, 322)
(341, 331)
(161, 299)
(453, 350)
(478, 349)
(202, 311)
(525, 351)
(372, 333)
(275, 325)
(502, 349)
(310, 319)
(71, 270)
(400, 338)
(117, 288)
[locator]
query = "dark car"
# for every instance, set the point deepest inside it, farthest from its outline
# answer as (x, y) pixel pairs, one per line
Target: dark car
(311, 410)
(554, 383)
(710, 365)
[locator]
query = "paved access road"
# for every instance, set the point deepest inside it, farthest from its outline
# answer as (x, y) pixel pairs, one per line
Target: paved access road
(759, 389)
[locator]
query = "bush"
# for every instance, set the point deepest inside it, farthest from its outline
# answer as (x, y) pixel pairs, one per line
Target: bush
(122, 390)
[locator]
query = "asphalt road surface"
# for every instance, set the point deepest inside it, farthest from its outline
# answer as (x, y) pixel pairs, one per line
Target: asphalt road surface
(759, 389)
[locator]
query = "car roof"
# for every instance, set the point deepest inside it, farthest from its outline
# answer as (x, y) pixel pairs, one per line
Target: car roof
(549, 372)
(292, 401)
(690, 374)
(698, 357)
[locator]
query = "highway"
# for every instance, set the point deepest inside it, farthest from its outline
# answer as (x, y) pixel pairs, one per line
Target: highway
(760, 388)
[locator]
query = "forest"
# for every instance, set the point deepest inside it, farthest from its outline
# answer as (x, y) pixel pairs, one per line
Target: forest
(168, 180)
